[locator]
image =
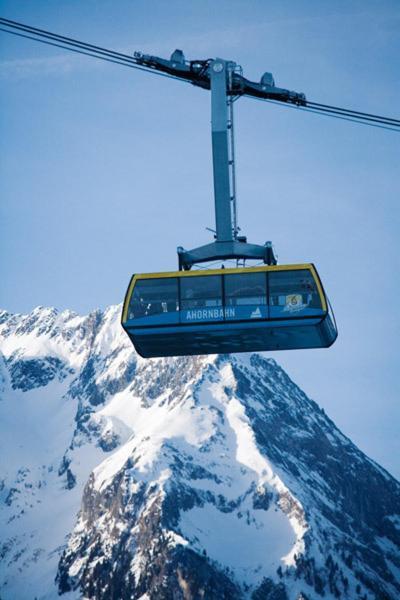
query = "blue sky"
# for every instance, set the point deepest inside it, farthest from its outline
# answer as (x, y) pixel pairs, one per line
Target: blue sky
(105, 170)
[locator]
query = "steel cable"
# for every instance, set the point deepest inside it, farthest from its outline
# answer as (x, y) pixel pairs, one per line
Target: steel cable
(112, 56)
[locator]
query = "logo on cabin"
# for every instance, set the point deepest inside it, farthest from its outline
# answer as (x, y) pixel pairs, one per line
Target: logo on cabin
(294, 302)
(256, 314)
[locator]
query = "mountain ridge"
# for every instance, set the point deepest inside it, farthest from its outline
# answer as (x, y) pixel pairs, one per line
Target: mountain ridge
(163, 457)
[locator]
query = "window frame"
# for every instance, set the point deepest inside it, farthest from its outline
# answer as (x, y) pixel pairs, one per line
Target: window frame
(318, 312)
(219, 297)
(135, 280)
(147, 283)
(264, 275)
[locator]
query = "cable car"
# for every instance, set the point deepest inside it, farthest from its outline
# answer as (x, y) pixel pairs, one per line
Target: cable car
(228, 310)
(246, 309)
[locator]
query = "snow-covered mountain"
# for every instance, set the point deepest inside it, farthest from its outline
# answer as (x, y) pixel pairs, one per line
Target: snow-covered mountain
(189, 478)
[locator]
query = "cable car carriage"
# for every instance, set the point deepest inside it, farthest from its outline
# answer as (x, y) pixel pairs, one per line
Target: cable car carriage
(228, 310)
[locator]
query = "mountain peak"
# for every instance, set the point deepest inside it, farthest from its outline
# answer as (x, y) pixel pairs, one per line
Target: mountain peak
(196, 477)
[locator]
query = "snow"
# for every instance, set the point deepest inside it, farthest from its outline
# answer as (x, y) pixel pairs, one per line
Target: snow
(32, 441)
(176, 540)
(248, 454)
(250, 543)
(150, 427)
(36, 427)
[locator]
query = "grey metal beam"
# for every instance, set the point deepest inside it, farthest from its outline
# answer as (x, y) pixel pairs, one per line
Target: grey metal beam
(220, 150)
(226, 250)
(226, 82)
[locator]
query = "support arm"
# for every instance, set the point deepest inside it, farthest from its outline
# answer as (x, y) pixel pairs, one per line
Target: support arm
(225, 81)
(220, 151)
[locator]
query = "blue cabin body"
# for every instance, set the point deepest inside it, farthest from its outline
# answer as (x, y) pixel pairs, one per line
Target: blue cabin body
(228, 310)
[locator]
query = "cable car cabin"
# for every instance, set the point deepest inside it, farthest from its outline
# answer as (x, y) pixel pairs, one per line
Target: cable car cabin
(228, 310)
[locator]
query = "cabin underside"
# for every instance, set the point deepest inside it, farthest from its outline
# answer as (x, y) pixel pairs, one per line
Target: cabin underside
(232, 337)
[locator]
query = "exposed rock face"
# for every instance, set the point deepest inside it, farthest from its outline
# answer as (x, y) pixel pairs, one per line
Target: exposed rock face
(212, 477)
